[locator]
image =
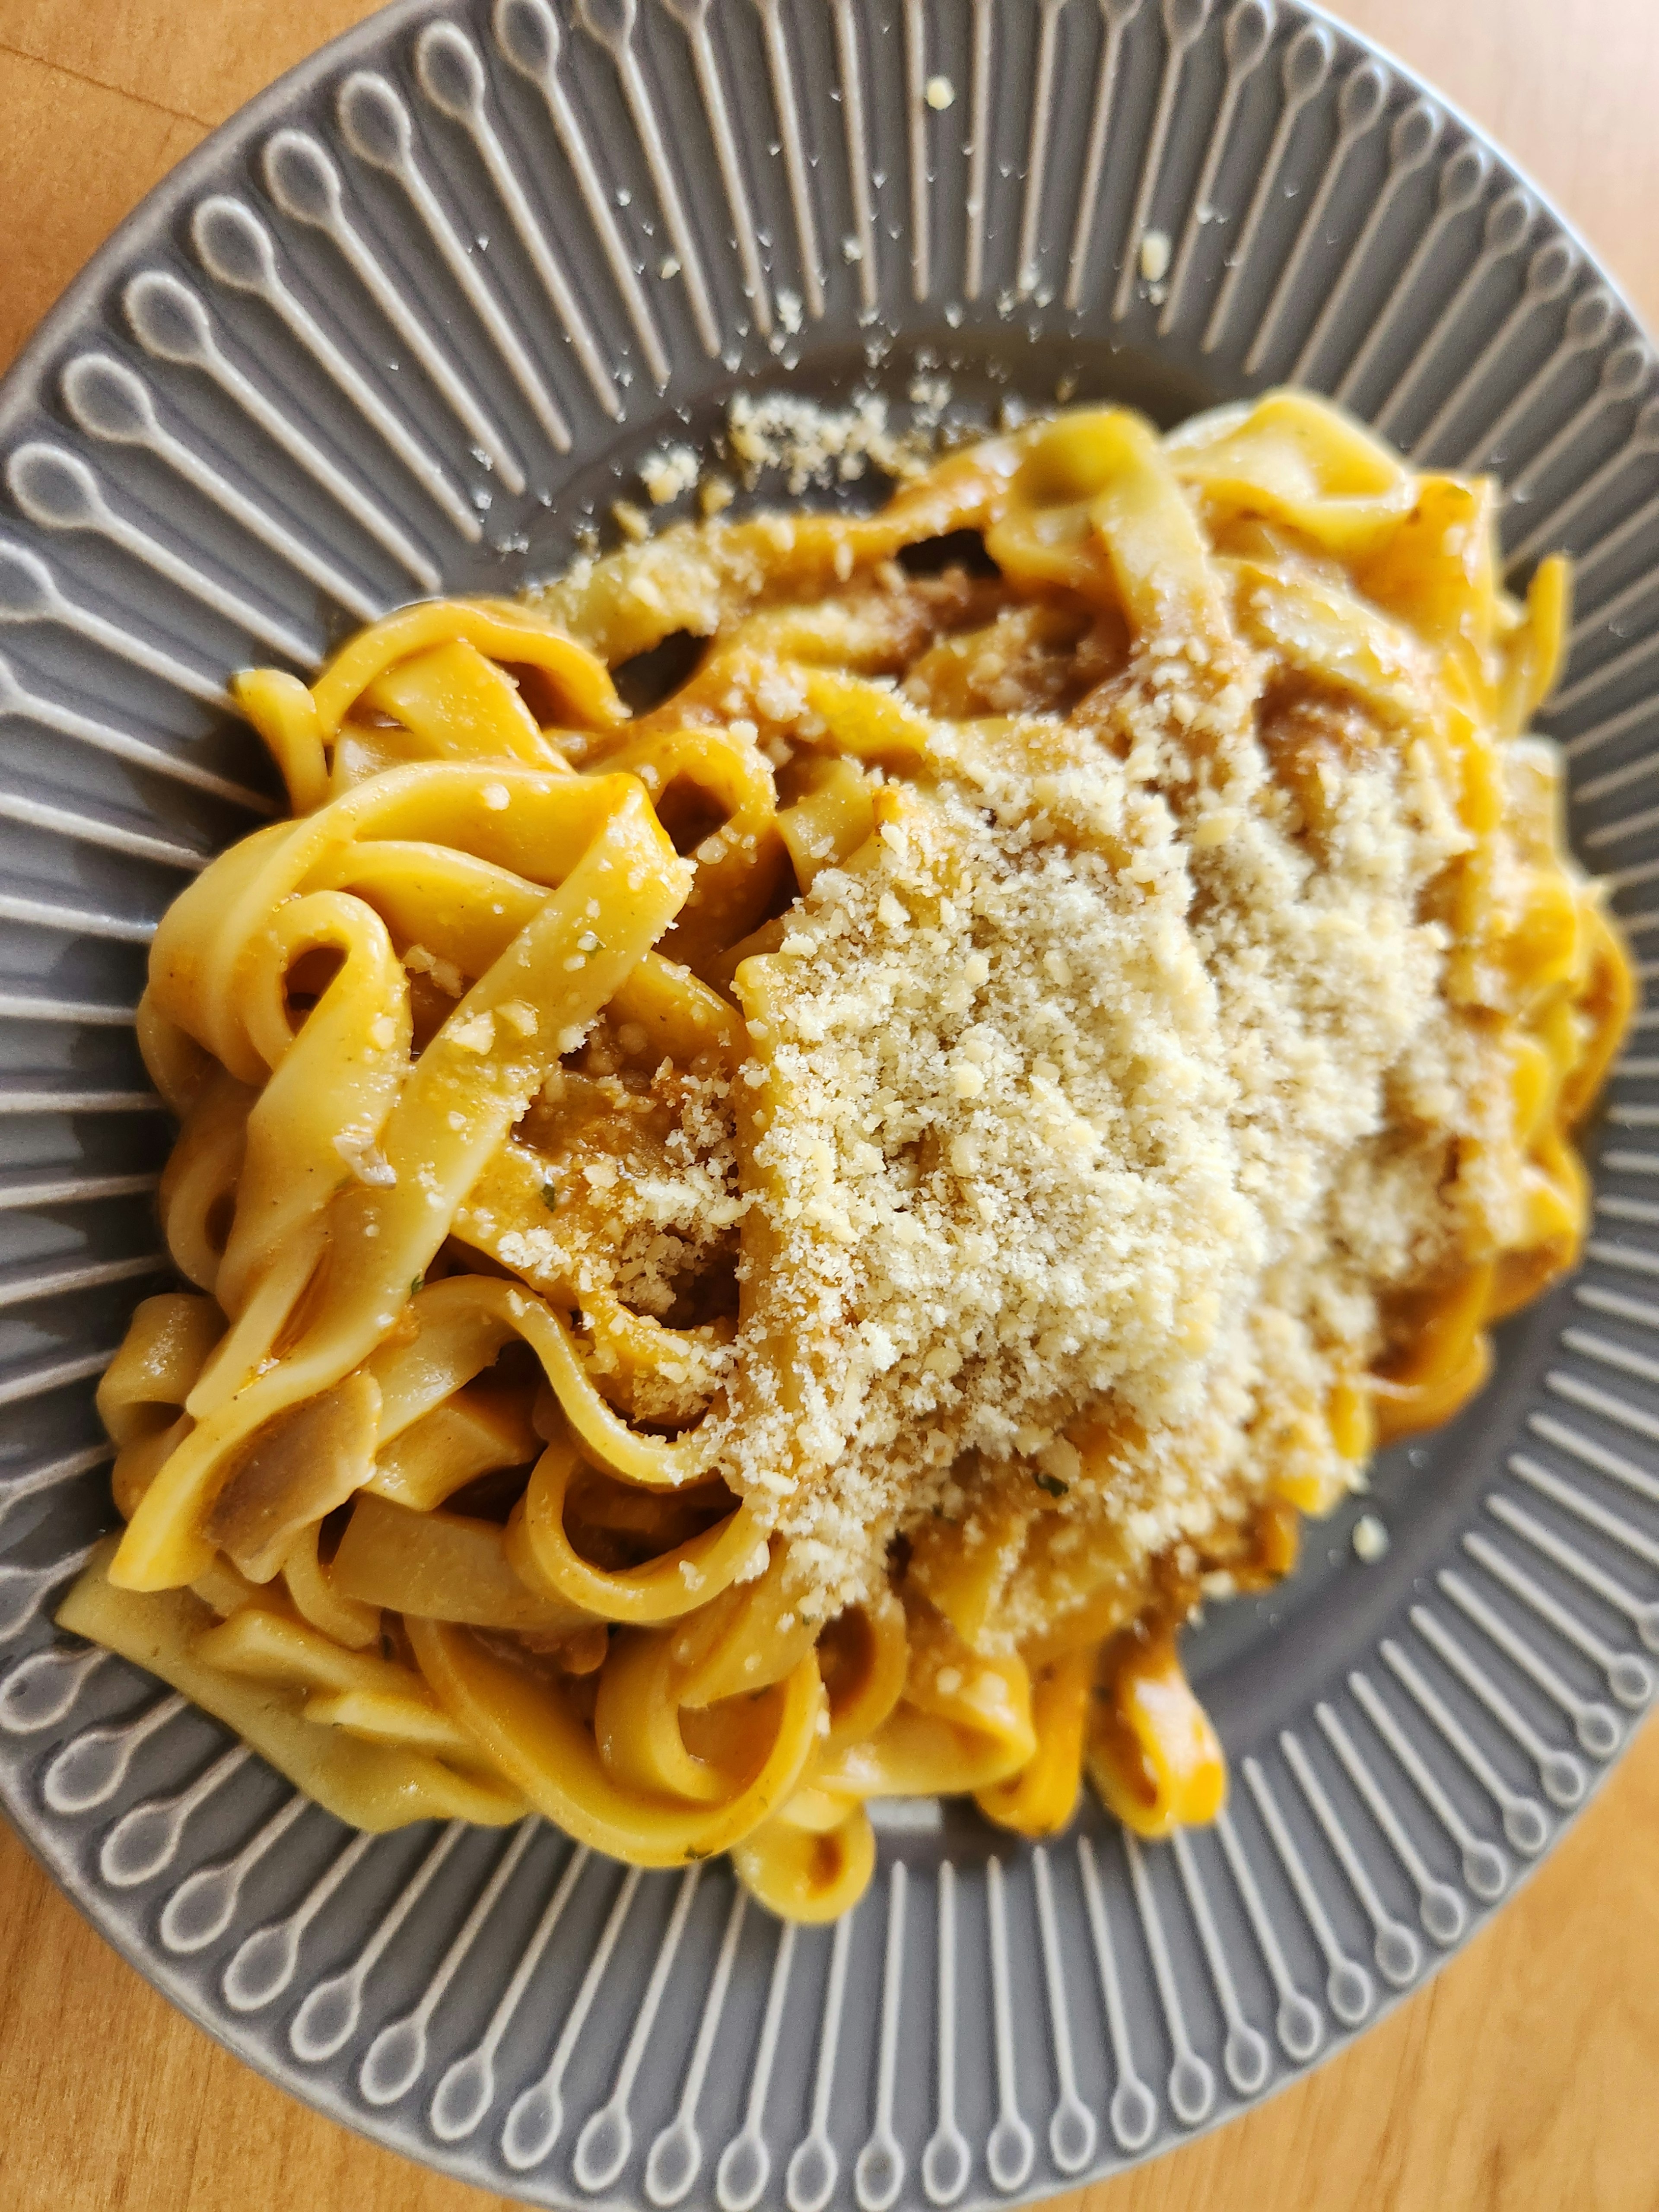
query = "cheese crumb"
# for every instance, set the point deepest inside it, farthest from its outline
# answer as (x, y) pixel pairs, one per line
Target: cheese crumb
(1216, 826)
(668, 472)
(445, 974)
(1370, 1540)
(1154, 255)
(475, 1033)
(366, 1160)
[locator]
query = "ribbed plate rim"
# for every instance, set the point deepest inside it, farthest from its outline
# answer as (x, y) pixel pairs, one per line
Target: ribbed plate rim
(78, 305)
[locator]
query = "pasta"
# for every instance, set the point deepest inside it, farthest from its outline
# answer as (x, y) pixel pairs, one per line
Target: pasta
(768, 1252)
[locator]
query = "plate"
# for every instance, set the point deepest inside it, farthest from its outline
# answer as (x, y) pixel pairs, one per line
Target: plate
(411, 322)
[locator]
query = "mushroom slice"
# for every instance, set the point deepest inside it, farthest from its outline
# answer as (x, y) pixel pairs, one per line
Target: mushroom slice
(298, 1467)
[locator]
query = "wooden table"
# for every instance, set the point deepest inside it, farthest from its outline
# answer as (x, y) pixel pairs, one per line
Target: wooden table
(1522, 2080)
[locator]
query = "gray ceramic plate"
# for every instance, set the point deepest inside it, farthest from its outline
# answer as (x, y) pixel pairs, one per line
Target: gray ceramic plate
(409, 321)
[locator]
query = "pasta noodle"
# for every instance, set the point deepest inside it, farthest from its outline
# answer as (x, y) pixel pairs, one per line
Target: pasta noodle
(768, 1252)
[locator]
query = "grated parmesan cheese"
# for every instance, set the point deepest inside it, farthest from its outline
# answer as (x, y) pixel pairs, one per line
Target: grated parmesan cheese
(667, 472)
(816, 445)
(1078, 1084)
(1095, 1105)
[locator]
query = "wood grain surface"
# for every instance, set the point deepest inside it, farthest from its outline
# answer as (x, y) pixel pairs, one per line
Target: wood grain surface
(1522, 2078)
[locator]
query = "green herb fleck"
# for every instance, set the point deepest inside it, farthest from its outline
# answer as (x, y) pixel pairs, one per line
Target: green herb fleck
(1052, 1483)
(414, 1283)
(551, 1196)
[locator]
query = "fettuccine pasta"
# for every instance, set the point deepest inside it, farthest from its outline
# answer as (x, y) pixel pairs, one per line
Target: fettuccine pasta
(767, 1252)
